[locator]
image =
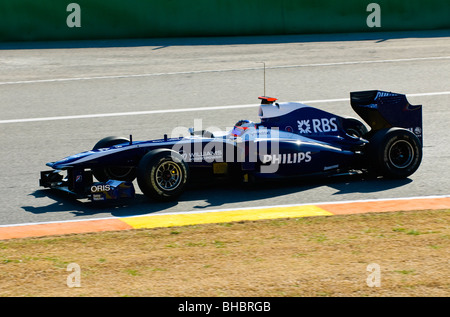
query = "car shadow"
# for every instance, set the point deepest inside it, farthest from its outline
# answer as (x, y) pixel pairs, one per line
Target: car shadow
(371, 186)
(211, 195)
(64, 202)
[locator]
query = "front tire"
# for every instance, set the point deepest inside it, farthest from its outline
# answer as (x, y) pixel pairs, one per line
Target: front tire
(395, 153)
(162, 175)
(120, 173)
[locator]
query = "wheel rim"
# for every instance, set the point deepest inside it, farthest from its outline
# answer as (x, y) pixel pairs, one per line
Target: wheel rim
(401, 154)
(168, 176)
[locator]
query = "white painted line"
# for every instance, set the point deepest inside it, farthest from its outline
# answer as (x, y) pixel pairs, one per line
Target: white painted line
(119, 114)
(53, 80)
(135, 113)
(232, 209)
(429, 94)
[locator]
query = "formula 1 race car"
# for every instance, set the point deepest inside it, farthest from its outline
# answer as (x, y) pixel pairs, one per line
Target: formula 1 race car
(292, 140)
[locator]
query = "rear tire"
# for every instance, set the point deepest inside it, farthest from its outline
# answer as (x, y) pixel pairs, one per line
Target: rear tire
(120, 173)
(394, 153)
(162, 175)
(354, 127)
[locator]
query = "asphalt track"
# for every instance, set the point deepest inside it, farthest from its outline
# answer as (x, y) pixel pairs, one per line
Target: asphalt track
(60, 98)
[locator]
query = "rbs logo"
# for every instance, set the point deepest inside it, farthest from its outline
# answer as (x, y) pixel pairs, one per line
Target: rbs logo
(317, 125)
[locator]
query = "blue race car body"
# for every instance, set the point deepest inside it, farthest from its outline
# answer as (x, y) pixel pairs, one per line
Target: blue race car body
(292, 140)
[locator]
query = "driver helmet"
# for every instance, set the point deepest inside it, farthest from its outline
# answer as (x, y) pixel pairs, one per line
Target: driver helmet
(241, 127)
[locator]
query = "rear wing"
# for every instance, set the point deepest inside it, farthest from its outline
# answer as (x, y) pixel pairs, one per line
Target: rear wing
(381, 109)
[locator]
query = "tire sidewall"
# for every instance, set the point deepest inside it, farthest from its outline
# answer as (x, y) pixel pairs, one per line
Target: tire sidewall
(381, 145)
(146, 174)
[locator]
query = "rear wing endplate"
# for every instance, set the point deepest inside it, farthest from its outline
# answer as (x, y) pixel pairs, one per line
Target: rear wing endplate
(381, 109)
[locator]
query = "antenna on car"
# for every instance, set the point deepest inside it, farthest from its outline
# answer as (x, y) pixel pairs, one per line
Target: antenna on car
(266, 100)
(264, 77)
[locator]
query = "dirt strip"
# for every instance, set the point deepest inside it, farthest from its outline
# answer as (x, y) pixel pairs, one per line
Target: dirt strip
(374, 254)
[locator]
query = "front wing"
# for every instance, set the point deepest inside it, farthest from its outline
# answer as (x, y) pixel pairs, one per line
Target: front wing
(80, 184)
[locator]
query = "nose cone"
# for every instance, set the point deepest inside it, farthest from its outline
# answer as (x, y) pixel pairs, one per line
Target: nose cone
(69, 160)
